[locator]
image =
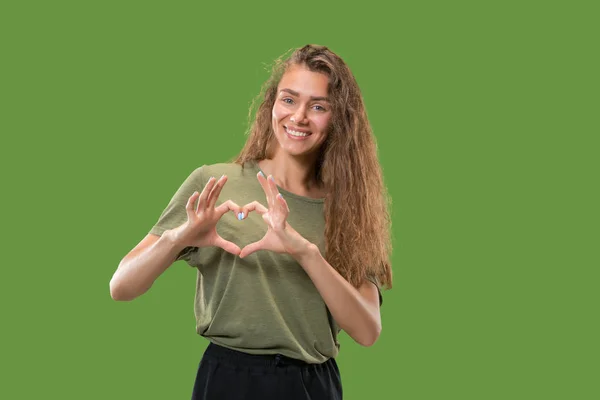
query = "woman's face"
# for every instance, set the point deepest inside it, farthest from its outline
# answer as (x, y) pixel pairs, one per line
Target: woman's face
(302, 111)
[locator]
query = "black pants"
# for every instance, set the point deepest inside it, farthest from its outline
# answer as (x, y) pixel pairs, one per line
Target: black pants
(225, 374)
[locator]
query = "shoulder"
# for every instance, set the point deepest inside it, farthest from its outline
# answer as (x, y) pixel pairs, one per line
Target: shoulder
(200, 175)
(372, 277)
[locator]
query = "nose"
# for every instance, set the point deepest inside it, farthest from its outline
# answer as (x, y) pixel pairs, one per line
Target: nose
(300, 115)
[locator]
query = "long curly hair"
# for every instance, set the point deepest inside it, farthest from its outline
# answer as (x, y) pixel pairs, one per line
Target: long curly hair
(357, 219)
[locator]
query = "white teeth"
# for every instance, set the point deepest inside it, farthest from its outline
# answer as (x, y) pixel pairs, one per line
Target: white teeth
(294, 133)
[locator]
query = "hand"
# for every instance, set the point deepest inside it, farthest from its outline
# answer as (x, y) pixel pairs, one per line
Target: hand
(280, 236)
(200, 230)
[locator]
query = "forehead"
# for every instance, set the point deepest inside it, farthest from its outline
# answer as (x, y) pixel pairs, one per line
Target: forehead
(304, 81)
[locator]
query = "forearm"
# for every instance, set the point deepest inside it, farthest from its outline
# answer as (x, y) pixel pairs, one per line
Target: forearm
(136, 274)
(348, 307)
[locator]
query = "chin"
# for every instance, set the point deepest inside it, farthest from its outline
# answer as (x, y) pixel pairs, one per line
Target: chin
(296, 152)
(299, 149)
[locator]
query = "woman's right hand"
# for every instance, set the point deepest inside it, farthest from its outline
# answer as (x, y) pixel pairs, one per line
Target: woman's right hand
(200, 230)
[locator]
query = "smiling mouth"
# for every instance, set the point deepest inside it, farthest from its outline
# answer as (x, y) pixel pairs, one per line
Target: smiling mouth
(295, 133)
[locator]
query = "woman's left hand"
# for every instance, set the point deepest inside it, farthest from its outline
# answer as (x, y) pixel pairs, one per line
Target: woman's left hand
(280, 236)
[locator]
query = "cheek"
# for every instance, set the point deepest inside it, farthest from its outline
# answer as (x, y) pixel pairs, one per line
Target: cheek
(279, 113)
(323, 123)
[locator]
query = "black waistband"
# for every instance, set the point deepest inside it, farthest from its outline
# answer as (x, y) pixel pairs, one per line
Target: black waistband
(240, 358)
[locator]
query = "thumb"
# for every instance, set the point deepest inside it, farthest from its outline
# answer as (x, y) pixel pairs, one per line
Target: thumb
(251, 248)
(227, 246)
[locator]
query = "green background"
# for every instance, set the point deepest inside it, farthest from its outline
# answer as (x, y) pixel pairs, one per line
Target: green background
(486, 116)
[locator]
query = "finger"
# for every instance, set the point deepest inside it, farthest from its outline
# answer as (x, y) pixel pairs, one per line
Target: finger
(189, 207)
(283, 204)
(205, 192)
(265, 186)
(254, 206)
(227, 246)
(273, 187)
(273, 190)
(216, 191)
(227, 206)
(251, 248)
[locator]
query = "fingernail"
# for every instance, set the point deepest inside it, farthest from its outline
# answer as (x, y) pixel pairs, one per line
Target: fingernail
(222, 176)
(263, 175)
(272, 178)
(239, 216)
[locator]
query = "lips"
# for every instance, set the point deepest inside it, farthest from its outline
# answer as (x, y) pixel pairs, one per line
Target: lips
(292, 132)
(293, 128)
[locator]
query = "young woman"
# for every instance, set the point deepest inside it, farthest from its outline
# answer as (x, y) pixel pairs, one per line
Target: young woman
(277, 281)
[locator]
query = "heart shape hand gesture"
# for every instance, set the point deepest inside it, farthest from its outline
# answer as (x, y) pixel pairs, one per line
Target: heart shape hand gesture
(200, 228)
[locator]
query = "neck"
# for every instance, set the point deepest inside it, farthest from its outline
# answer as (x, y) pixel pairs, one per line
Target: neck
(294, 174)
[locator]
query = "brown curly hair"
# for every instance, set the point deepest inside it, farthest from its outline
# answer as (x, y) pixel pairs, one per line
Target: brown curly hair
(357, 230)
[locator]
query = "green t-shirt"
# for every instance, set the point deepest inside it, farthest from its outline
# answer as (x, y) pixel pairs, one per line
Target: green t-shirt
(264, 303)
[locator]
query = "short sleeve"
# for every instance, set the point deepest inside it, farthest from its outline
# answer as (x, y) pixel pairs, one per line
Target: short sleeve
(174, 215)
(375, 281)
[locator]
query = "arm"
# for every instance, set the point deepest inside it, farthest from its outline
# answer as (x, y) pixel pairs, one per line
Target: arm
(355, 310)
(149, 259)
(143, 265)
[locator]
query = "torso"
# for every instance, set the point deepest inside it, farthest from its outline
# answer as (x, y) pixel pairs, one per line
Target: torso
(264, 303)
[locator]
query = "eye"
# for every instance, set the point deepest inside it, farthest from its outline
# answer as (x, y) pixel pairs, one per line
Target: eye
(285, 100)
(320, 108)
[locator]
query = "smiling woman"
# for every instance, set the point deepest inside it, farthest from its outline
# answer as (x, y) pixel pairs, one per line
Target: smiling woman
(278, 281)
(301, 114)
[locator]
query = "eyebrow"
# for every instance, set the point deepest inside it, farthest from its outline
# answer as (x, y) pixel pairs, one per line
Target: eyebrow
(293, 92)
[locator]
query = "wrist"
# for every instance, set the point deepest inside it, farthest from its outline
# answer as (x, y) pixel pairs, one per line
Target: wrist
(309, 252)
(172, 238)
